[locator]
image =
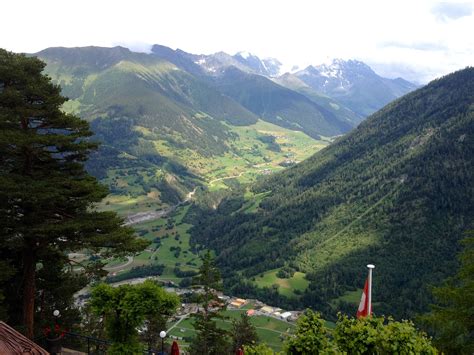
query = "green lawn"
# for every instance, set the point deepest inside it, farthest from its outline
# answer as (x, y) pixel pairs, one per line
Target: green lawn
(286, 286)
(351, 296)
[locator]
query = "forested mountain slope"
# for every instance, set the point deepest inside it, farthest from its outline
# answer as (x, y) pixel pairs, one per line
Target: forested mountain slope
(398, 192)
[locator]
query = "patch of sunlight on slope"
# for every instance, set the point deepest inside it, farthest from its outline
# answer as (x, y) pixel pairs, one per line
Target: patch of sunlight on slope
(89, 80)
(286, 286)
(337, 248)
(347, 228)
(151, 73)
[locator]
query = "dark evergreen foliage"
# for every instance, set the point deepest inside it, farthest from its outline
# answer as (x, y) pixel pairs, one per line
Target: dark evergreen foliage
(452, 317)
(209, 339)
(243, 332)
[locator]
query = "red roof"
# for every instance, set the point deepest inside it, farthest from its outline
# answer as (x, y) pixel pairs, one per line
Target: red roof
(14, 343)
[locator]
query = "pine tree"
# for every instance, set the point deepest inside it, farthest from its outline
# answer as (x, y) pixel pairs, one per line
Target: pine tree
(243, 332)
(210, 339)
(47, 198)
(452, 318)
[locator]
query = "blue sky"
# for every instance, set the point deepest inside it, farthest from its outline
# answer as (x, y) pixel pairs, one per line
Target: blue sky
(416, 39)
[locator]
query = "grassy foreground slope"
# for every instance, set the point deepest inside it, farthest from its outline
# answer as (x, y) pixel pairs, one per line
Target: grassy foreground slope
(397, 192)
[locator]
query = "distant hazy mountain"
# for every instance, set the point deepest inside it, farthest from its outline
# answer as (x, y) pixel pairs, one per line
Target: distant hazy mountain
(398, 191)
(280, 105)
(291, 81)
(268, 67)
(354, 89)
(354, 84)
(241, 78)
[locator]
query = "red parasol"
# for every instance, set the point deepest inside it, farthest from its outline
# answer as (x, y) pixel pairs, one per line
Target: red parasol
(174, 348)
(239, 352)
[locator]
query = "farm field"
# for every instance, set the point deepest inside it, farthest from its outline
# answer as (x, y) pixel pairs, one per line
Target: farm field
(270, 330)
(170, 246)
(256, 150)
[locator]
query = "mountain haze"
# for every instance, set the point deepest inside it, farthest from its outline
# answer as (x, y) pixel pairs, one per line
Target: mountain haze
(398, 192)
(268, 67)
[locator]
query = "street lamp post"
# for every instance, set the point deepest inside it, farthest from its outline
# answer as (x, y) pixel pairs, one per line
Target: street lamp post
(162, 336)
(54, 343)
(56, 314)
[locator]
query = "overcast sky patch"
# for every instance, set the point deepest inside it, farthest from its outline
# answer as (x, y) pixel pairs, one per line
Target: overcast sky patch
(445, 11)
(424, 38)
(420, 46)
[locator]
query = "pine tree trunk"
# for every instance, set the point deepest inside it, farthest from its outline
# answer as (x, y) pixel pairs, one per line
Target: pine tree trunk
(29, 289)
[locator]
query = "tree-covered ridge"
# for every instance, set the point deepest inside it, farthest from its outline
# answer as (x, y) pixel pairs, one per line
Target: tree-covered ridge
(398, 192)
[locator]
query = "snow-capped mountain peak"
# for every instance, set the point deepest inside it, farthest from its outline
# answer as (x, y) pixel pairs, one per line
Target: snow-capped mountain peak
(244, 54)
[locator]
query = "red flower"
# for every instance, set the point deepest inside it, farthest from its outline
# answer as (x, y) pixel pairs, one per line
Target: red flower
(46, 331)
(54, 331)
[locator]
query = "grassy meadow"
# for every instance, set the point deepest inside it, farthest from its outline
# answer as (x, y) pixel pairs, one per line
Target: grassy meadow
(286, 287)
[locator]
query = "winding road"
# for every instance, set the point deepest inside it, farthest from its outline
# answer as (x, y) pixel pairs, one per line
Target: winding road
(121, 266)
(227, 177)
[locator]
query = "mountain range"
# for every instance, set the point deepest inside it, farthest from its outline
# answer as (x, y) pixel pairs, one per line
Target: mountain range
(354, 84)
(395, 190)
(198, 82)
(398, 191)
(170, 109)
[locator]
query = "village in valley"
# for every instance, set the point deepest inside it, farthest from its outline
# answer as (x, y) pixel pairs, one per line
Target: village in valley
(272, 323)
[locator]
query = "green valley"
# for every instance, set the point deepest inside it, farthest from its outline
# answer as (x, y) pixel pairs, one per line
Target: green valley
(164, 131)
(208, 178)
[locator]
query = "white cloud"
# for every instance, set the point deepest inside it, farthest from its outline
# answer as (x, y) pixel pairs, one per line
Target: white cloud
(446, 11)
(297, 32)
